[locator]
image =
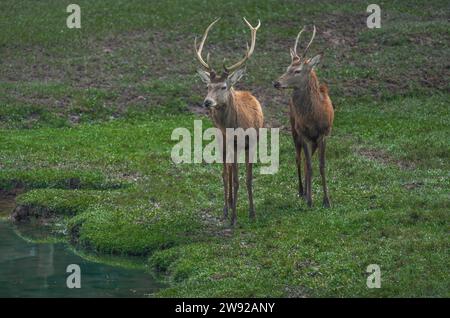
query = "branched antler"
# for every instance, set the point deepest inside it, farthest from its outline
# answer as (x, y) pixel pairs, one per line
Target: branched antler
(294, 50)
(249, 51)
(234, 67)
(198, 50)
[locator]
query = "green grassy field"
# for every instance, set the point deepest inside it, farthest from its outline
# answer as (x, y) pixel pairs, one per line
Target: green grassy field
(86, 118)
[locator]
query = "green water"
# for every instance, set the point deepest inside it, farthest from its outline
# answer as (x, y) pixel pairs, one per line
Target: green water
(29, 269)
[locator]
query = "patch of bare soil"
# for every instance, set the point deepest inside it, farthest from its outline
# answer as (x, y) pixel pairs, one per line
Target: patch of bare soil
(341, 30)
(214, 225)
(413, 185)
(7, 194)
(144, 56)
(296, 292)
(384, 158)
(199, 110)
(7, 203)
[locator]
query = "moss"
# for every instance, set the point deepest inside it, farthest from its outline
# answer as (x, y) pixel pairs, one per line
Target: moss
(162, 260)
(131, 230)
(68, 202)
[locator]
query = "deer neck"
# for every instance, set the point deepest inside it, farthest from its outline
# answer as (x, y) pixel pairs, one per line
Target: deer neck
(225, 116)
(305, 94)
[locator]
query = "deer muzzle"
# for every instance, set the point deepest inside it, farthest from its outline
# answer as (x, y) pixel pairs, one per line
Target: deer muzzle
(209, 103)
(277, 85)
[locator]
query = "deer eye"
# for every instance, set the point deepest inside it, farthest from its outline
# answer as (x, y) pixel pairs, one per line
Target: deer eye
(223, 88)
(297, 71)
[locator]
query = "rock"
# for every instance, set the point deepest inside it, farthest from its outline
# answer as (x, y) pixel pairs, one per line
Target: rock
(74, 183)
(20, 213)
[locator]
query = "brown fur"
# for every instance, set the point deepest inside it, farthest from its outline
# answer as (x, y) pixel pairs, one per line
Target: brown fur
(311, 110)
(231, 109)
(244, 111)
(311, 117)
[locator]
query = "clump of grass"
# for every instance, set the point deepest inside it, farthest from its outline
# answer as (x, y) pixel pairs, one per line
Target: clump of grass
(58, 201)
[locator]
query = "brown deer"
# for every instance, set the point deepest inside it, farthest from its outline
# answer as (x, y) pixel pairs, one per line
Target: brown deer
(229, 108)
(311, 115)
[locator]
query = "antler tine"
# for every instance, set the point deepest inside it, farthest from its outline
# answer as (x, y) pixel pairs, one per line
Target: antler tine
(312, 39)
(198, 50)
(251, 27)
(249, 51)
(296, 41)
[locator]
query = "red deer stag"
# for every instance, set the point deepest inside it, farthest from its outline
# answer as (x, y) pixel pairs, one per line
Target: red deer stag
(311, 115)
(229, 108)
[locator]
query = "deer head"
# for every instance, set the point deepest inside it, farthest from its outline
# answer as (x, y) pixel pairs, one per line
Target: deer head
(220, 86)
(298, 71)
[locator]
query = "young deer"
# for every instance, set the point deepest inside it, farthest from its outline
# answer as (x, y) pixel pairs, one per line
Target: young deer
(311, 115)
(229, 108)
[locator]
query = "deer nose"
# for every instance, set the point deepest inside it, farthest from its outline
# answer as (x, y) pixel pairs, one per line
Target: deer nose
(207, 103)
(277, 84)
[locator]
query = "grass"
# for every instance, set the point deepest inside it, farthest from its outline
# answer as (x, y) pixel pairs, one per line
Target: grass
(86, 117)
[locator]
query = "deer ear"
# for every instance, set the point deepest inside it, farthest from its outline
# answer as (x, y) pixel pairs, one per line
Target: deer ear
(315, 60)
(235, 77)
(204, 76)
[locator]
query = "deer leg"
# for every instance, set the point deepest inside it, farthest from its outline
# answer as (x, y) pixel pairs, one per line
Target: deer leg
(225, 189)
(249, 185)
(308, 173)
(326, 199)
(230, 186)
(225, 182)
(298, 160)
(305, 172)
(235, 191)
(298, 157)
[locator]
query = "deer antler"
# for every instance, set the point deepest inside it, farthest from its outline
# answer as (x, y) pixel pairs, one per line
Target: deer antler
(249, 51)
(312, 39)
(307, 47)
(198, 50)
(296, 43)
